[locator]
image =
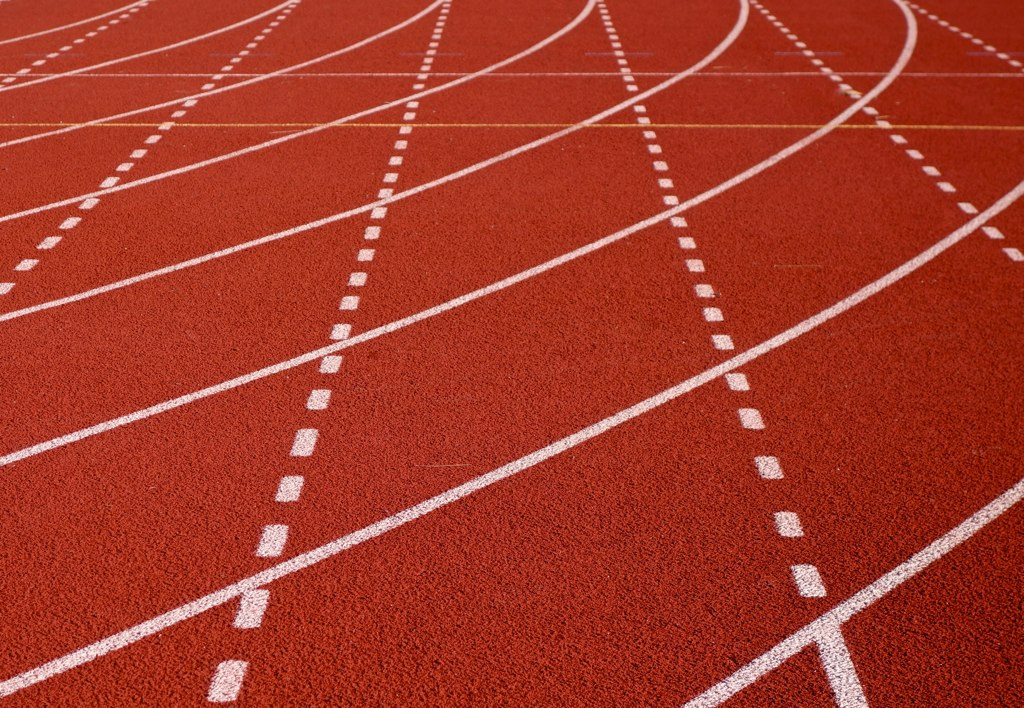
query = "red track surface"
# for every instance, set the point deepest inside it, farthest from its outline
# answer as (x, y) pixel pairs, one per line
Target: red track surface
(825, 512)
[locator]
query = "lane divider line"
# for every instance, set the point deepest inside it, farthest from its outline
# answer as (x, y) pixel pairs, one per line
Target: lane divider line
(1004, 56)
(881, 122)
(30, 71)
(70, 25)
(139, 153)
(253, 603)
(768, 662)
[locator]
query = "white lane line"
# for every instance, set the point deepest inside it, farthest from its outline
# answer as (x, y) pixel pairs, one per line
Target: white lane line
(588, 7)
(251, 609)
(768, 467)
(88, 20)
(881, 587)
(289, 488)
(272, 541)
(808, 581)
(227, 681)
(840, 669)
(375, 207)
(305, 442)
(148, 52)
(529, 273)
(866, 597)
(787, 523)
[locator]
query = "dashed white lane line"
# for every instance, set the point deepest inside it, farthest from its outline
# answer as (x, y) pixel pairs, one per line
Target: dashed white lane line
(750, 418)
(148, 52)
(943, 185)
(251, 609)
(227, 681)
(768, 467)
(1014, 254)
(272, 541)
(122, 168)
(318, 399)
(764, 664)
(304, 442)
(989, 48)
(289, 489)
(77, 23)
(808, 580)
(6, 83)
(737, 382)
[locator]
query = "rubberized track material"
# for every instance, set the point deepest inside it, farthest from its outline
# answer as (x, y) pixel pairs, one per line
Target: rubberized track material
(572, 353)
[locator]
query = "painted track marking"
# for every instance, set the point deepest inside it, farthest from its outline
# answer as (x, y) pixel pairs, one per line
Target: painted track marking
(716, 695)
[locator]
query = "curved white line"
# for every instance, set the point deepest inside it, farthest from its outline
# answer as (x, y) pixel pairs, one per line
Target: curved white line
(230, 87)
(180, 401)
(317, 555)
(584, 13)
(148, 52)
(405, 194)
(86, 21)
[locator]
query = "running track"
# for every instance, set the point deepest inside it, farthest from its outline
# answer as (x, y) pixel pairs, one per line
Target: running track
(539, 353)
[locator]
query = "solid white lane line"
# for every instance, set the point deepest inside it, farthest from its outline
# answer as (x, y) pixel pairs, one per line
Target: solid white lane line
(522, 276)
(588, 7)
(78, 23)
(227, 681)
(146, 53)
(771, 660)
(251, 609)
(814, 631)
(840, 669)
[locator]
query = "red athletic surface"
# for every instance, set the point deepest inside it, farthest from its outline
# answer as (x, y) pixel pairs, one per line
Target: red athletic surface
(641, 567)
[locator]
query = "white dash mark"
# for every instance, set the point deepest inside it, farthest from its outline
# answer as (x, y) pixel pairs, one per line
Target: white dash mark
(670, 200)
(713, 314)
(372, 233)
(138, 154)
(687, 243)
(1014, 254)
(6, 288)
(318, 399)
(330, 364)
(768, 467)
(272, 541)
(70, 223)
(992, 232)
(289, 488)
(898, 139)
(125, 166)
(153, 139)
(704, 290)
(931, 171)
(946, 187)
(49, 242)
(722, 342)
(915, 154)
(787, 523)
(808, 581)
(357, 279)
(27, 264)
(737, 382)
(178, 114)
(660, 166)
(654, 149)
(379, 213)
(750, 418)
(678, 222)
(390, 178)
(695, 265)
(227, 681)
(305, 442)
(884, 124)
(89, 203)
(109, 182)
(251, 608)
(349, 302)
(838, 664)
(365, 254)
(341, 331)
(968, 208)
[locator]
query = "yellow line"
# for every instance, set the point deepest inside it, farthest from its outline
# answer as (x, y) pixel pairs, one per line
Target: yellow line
(680, 126)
